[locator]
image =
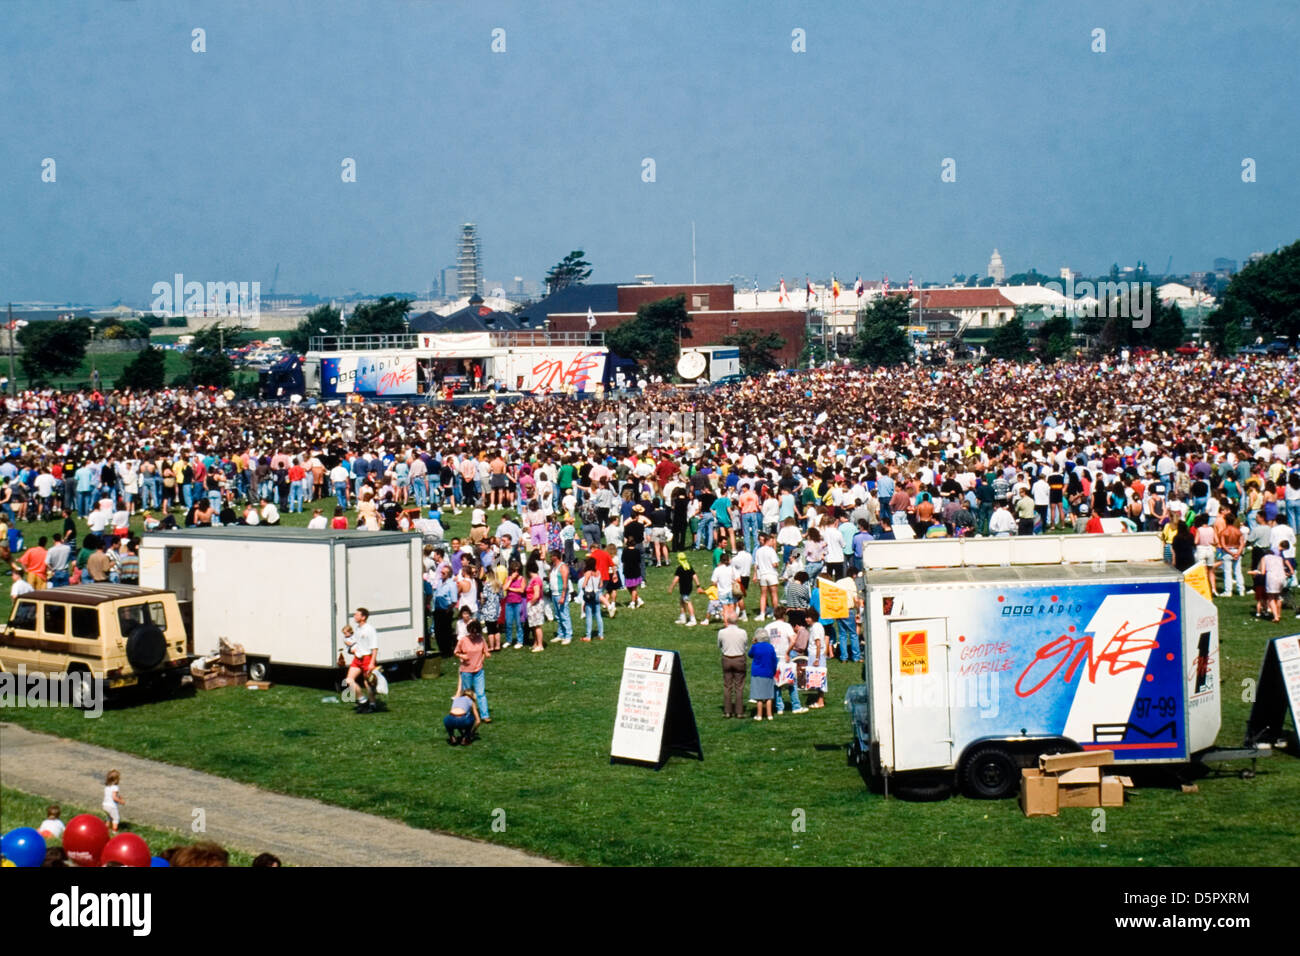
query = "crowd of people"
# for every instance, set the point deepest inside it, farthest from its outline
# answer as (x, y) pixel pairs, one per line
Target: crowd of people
(793, 473)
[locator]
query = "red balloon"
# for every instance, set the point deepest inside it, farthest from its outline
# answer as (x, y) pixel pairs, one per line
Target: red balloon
(126, 849)
(84, 839)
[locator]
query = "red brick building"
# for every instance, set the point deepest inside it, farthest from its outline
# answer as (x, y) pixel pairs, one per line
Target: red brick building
(713, 313)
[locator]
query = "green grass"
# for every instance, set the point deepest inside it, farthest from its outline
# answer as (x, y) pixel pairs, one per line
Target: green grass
(110, 366)
(19, 809)
(545, 762)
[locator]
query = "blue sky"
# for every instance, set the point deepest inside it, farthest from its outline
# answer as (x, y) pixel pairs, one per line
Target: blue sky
(224, 163)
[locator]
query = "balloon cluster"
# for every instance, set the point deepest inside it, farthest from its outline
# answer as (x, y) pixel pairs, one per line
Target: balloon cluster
(86, 842)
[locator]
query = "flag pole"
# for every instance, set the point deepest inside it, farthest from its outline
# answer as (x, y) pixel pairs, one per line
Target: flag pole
(13, 385)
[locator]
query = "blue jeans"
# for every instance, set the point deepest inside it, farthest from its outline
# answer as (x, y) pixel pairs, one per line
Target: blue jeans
(794, 698)
(420, 488)
(563, 622)
(514, 623)
(590, 611)
(474, 682)
(341, 493)
(295, 497)
(849, 637)
(59, 579)
(1293, 516)
(704, 532)
(750, 524)
(85, 501)
(187, 494)
(453, 723)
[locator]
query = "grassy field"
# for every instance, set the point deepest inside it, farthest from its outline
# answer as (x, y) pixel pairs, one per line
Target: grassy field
(110, 366)
(545, 762)
(18, 809)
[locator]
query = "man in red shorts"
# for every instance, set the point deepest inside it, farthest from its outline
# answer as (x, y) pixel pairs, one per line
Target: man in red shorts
(363, 643)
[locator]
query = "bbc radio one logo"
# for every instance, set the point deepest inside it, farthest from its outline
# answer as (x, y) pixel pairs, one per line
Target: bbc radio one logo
(235, 299)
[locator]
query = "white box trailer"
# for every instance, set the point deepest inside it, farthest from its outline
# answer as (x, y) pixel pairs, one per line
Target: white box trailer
(285, 593)
(983, 653)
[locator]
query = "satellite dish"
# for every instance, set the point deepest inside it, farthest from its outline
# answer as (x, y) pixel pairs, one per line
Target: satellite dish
(691, 365)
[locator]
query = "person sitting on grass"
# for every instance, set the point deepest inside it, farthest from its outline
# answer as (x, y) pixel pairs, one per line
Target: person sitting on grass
(462, 721)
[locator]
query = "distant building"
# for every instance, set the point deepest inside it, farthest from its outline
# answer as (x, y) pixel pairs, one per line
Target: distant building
(996, 270)
(975, 308)
(713, 310)
(1255, 257)
(469, 262)
(1225, 266)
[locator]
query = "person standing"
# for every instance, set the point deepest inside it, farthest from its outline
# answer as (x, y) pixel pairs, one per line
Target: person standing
(732, 641)
(1233, 545)
(762, 674)
(686, 580)
(472, 653)
(559, 581)
(446, 595)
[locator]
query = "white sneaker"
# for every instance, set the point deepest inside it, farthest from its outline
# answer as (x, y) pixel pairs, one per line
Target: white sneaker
(758, 716)
(681, 619)
(691, 622)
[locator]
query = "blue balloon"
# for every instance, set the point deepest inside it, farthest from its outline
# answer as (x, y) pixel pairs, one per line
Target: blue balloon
(23, 847)
(158, 861)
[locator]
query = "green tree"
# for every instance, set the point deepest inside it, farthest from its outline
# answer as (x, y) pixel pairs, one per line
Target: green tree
(1032, 277)
(654, 337)
(1055, 338)
(208, 362)
(385, 317)
(1168, 330)
(147, 370)
(757, 350)
(1010, 341)
(54, 347)
(322, 320)
(882, 339)
(1268, 293)
(1225, 327)
(571, 270)
(153, 321)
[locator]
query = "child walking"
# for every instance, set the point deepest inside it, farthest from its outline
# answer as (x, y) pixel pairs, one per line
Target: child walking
(112, 799)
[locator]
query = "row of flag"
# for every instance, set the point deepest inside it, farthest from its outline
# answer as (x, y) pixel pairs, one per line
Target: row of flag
(858, 289)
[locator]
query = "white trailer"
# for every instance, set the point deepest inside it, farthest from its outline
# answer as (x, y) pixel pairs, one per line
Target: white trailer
(982, 653)
(285, 593)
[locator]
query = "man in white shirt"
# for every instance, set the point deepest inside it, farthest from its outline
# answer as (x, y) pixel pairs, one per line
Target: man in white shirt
(363, 642)
(1002, 524)
(317, 522)
(270, 514)
(723, 577)
(742, 565)
(849, 625)
(766, 570)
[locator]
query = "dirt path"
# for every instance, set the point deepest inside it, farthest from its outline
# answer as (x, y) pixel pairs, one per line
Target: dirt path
(300, 832)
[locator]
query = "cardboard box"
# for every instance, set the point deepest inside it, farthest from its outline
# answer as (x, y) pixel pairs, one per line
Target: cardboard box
(1056, 763)
(1112, 791)
(1037, 793)
(1079, 795)
(1080, 775)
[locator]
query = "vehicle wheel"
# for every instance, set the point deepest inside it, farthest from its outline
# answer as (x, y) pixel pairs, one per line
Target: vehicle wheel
(990, 773)
(146, 647)
(83, 689)
(257, 670)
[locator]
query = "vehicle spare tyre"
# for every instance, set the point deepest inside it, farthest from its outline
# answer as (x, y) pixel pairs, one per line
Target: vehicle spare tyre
(146, 648)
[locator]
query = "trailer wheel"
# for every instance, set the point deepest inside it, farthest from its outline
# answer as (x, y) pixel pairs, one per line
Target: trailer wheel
(923, 789)
(258, 669)
(990, 773)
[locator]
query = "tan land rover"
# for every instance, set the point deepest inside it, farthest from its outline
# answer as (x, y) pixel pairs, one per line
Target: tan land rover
(128, 635)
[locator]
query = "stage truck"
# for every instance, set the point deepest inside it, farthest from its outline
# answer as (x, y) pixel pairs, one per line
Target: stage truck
(983, 653)
(458, 364)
